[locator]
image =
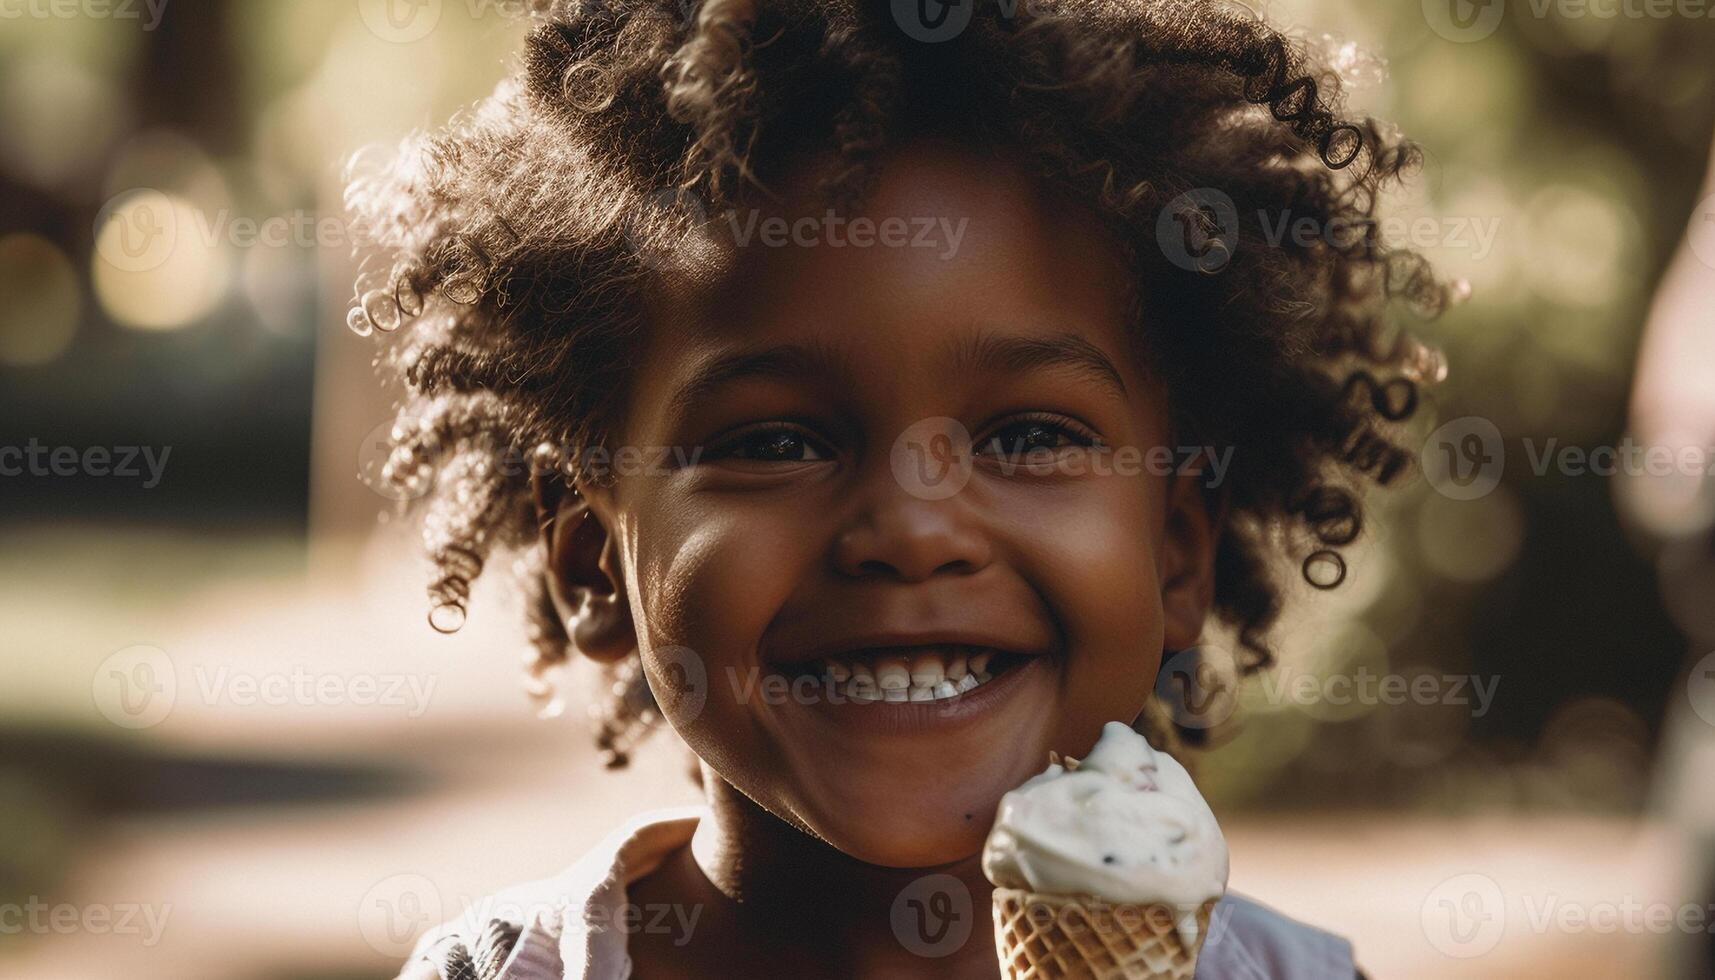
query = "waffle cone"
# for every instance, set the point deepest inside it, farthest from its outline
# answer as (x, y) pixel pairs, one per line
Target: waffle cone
(1060, 937)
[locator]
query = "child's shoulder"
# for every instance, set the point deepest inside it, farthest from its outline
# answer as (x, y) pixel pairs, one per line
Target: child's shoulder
(552, 927)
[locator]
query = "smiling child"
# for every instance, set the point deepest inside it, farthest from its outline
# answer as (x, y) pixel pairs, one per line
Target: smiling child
(895, 400)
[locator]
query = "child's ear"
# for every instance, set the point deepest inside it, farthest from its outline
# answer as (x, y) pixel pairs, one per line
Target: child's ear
(584, 577)
(1192, 532)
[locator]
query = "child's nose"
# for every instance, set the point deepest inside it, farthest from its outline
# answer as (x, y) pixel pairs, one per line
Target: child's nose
(912, 539)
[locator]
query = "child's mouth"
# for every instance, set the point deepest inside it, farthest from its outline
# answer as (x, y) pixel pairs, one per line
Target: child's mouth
(855, 676)
(924, 672)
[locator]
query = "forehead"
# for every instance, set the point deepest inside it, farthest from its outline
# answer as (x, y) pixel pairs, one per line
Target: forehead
(950, 245)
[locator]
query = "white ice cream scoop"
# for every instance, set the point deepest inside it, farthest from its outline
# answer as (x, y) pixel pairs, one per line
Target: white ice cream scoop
(1125, 824)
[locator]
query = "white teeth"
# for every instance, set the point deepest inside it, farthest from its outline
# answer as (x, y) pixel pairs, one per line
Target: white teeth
(929, 675)
(892, 674)
(927, 670)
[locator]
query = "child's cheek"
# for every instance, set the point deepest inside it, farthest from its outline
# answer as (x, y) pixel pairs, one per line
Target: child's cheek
(709, 582)
(1091, 553)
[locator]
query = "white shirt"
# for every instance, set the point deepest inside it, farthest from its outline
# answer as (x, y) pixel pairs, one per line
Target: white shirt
(573, 925)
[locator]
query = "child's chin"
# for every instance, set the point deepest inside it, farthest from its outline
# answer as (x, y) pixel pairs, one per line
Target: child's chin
(920, 844)
(913, 819)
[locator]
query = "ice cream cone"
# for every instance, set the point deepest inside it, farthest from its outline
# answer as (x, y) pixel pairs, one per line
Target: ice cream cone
(1058, 937)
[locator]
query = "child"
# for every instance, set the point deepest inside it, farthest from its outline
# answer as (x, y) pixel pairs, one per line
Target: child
(897, 391)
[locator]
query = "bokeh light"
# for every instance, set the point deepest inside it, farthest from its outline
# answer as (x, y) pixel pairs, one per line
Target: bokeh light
(1348, 660)
(1673, 501)
(1598, 748)
(39, 315)
(153, 267)
(1579, 242)
(56, 143)
(1470, 540)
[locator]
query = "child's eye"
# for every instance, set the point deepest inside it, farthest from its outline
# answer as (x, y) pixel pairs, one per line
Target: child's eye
(769, 444)
(1020, 437)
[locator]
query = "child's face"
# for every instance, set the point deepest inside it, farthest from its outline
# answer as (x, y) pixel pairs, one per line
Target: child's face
(806, 525)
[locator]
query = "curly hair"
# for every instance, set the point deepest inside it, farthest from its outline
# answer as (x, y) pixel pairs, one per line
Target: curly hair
(514, 246)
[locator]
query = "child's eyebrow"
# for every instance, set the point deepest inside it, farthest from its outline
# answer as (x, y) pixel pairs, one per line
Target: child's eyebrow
(985, 351)
(785, 362)
(979, 351)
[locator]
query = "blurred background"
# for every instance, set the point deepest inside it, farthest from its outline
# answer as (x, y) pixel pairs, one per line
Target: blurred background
(212, 635)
